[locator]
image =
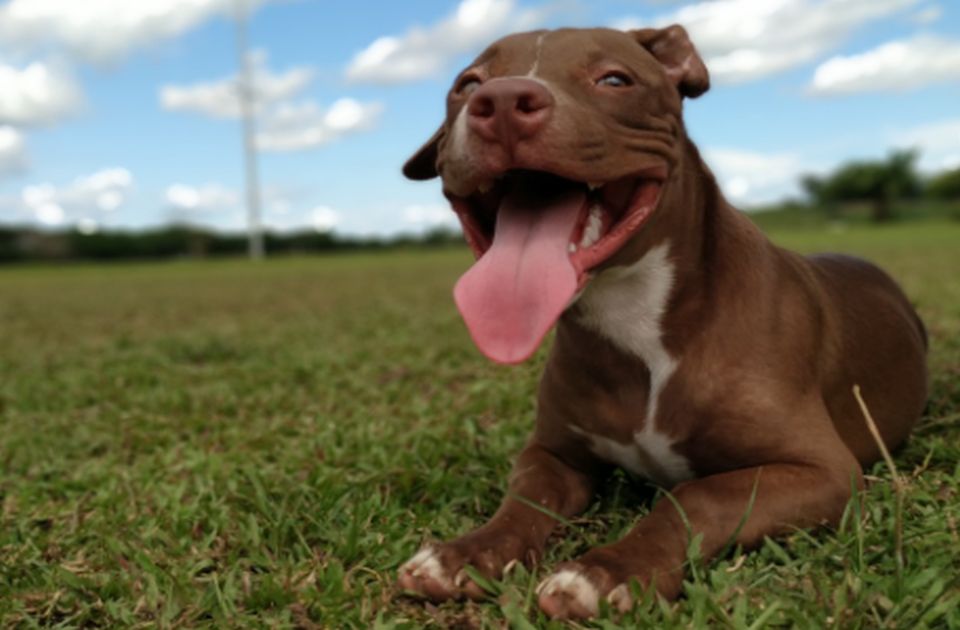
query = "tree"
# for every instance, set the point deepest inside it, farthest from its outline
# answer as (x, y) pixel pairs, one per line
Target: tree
(945, 185)
(818, 190)
(879, 182)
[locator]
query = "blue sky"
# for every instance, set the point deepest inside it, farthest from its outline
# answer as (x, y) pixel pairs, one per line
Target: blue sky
(123, 114)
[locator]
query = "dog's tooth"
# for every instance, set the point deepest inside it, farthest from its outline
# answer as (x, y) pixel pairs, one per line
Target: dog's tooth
(593, 185)
(591, 233)
(485, 187)
(572, 248)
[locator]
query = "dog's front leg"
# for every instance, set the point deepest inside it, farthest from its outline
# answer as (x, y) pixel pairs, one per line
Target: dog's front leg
(742, 506)
(517, 532)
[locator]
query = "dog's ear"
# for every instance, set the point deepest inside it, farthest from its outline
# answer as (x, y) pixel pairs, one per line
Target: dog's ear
(672, 47)
(423, 163)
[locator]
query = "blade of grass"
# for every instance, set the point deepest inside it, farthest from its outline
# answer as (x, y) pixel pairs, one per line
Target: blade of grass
(898, 489)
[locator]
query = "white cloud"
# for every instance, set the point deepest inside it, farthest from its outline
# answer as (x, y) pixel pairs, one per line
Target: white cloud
(283, 125)
(210, 205)
(86, 199)
(13, 151)
(88, 226)
(744, 40)
(37, 94)
(324, 219)
(49, 213)
(104, 30)
(927, 15)
(423, 52)
(221, 208)
(895, 66)
(938, 143)
(207, 198)
(296, 126)
(221, 98)
(750, 178)
(280, 216)
(428, 216)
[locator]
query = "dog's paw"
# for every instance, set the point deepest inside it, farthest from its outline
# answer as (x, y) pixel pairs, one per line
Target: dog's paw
(575, 592)
(426, 574)
(437, 572)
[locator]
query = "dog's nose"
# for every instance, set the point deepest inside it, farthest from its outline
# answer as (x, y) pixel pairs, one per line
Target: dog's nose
(507, 110)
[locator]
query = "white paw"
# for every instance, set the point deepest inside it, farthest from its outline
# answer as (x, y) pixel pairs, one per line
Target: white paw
(425, 566)
(568, 593)
(620, 598)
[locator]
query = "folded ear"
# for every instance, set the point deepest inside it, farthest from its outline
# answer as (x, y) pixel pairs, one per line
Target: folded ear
(423, 163)
(672, 47)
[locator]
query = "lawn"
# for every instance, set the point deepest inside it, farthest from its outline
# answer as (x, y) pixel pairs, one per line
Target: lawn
(220, 444)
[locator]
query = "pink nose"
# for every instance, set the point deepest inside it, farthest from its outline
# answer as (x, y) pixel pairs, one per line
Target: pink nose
(508, 110)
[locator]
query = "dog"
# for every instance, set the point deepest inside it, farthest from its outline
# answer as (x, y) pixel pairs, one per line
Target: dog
(689, 349)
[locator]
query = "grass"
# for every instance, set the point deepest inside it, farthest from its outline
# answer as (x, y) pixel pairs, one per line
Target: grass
(217, 444)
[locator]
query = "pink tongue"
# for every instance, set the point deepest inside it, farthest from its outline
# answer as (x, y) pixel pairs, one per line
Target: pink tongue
(512, 296)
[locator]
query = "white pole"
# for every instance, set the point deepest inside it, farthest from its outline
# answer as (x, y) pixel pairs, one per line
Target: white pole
(245, 89)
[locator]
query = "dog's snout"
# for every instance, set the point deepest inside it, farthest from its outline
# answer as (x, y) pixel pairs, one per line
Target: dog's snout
(506, 110)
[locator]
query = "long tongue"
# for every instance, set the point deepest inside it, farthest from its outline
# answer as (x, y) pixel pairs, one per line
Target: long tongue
(511, 297)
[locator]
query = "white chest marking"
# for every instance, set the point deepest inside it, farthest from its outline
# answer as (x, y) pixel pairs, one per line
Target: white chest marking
(650, 455)
(536, 61)
(626, 305)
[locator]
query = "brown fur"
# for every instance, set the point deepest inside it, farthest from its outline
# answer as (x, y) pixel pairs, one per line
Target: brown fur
(768, 343)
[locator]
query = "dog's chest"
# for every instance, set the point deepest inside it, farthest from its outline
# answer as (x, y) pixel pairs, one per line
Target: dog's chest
(625, 305)
(649, 454)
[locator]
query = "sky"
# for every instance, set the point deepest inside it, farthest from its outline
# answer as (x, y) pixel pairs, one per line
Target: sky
(123, 114)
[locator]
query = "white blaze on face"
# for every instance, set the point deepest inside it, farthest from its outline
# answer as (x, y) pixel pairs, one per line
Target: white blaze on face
(536, 60)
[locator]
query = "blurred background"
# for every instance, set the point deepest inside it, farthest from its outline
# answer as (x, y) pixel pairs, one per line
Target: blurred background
(122, 135)
(188, 439)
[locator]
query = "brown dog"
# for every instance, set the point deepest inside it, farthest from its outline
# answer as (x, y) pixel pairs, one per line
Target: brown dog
(689, 349)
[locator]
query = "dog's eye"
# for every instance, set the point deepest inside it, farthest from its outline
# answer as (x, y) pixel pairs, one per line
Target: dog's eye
(614, 79)
(467, 85)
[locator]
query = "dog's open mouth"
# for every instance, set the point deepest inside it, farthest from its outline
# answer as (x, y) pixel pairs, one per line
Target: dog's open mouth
(609, 215)
(537, 235)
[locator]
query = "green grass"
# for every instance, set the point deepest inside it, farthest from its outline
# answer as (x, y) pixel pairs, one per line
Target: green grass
(225, 445)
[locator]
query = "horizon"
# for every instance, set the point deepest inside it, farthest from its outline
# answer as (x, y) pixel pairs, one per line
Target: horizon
(121, 116)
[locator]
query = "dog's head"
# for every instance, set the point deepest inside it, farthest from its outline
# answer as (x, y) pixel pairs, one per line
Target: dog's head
(556, 148)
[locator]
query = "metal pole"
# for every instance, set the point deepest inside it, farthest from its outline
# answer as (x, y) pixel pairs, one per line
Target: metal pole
(245, 90)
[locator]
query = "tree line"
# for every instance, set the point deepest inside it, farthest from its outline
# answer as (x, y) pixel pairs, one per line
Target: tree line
(21, 244)
(881, 184)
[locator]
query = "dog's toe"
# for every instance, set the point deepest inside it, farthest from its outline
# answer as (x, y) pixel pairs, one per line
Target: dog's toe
(620, 598)
(470, 588)
(425, 575)
(574, 591)
(568, 594)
